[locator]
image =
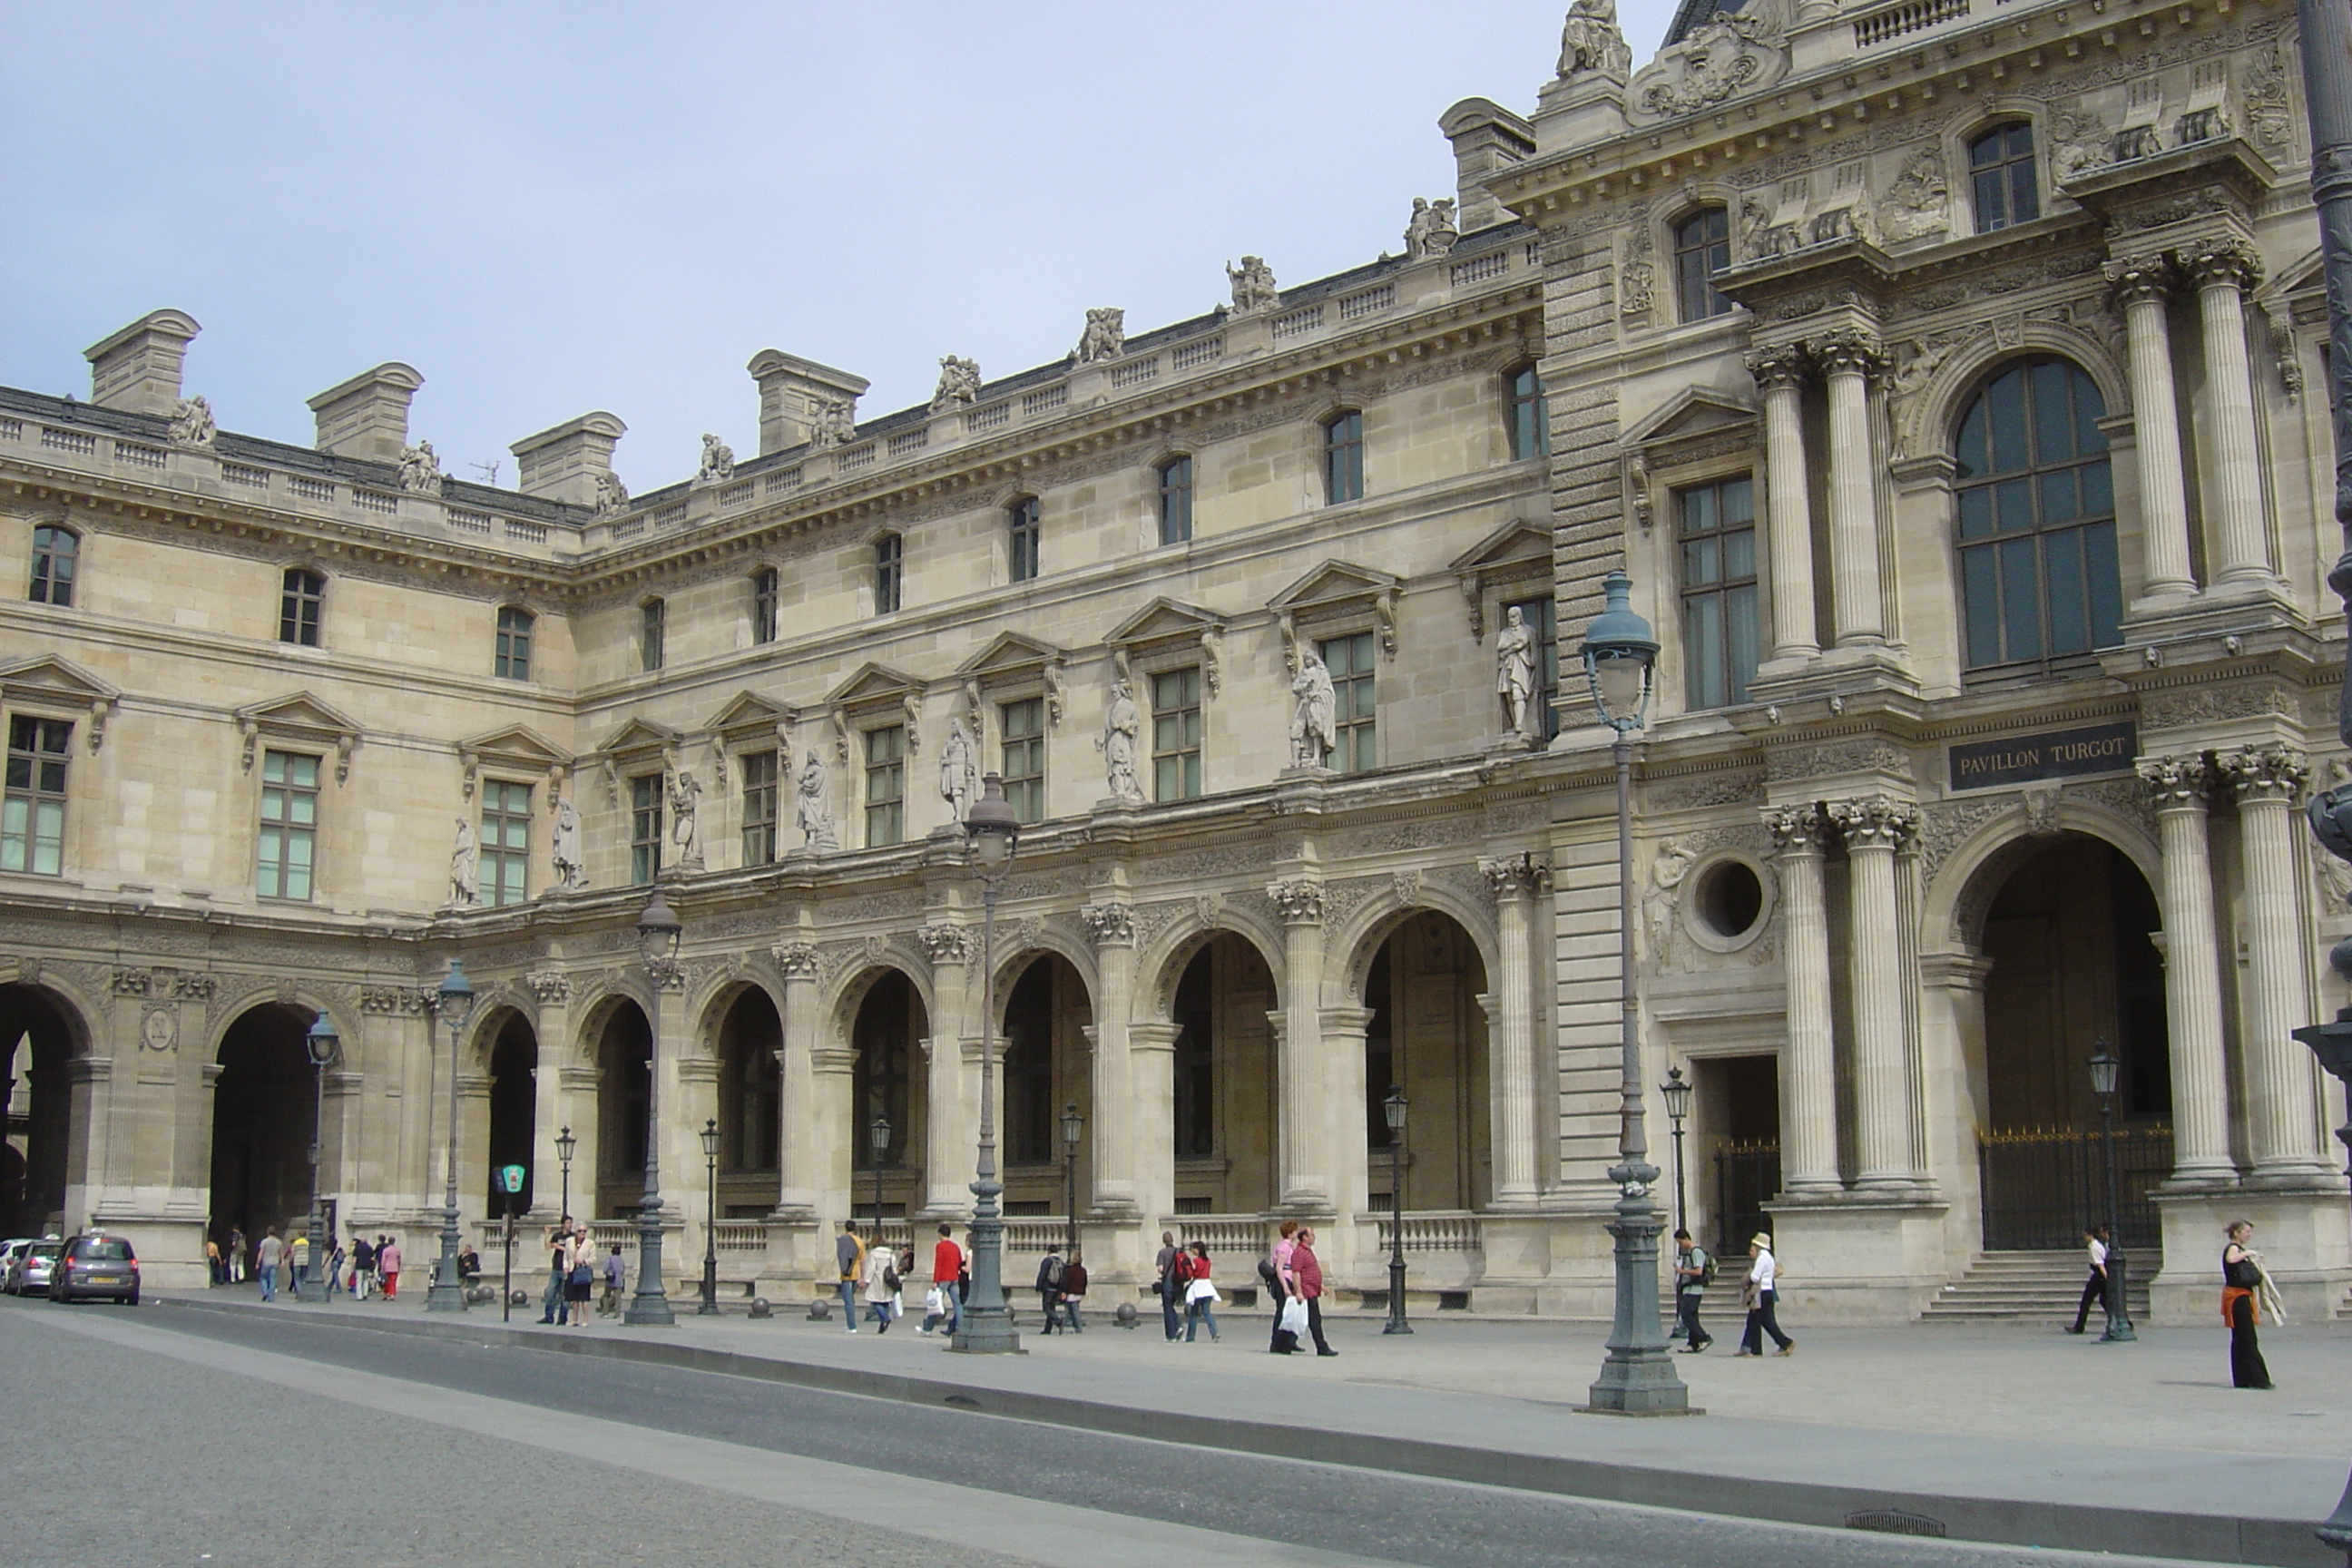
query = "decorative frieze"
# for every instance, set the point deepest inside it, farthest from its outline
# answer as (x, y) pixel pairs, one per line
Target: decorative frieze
(396, 1000)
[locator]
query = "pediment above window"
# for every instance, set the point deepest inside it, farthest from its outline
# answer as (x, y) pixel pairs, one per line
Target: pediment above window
(1338, 591)
(1516, 556)
(1011, 663)
(876, 691)
(1165, 631)
(58, 686)
(516, 749)
(628, 749)
(301, 720)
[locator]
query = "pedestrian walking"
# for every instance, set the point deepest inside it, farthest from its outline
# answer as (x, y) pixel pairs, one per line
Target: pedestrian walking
(269, 1256)
(387, 1266)
(1171, 1289)
(335, 1269)
(1073, 1291)
(362, 1267)
(215, 1270)
(580, 1276)
(1306, 1270)
(1275, 1269)
(1200, 1297)
(1049, 1287)
(298, 1261)
(942, 1308)
(2243, 1282)
(1693, 1269)
(905, 1271)
(616, 1279)
(554, 1300)
(849, 1264)
(1760, 1295)
(237, 1250)
(2094, 1289)
(881, 1281)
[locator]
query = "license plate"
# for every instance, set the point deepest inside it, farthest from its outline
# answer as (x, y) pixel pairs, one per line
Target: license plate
(105, 1279)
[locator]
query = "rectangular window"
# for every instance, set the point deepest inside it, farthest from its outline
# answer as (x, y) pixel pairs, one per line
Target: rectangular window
(1530, 417)
(1176, 500)
(1702, 249)
(1024, 757)
(1542, 616)
(765, 593)
(889, 573)
(513, 661)
(1343, 458)
(886, 786)
(1719, 633)
(506, 843)
(759, 807)
(289, 823)
(33, 819)
(645, 827)
(298, 607)
(1176, 734)
(1355, 741)
(1020, 539)
(54, 552)
(653, 618)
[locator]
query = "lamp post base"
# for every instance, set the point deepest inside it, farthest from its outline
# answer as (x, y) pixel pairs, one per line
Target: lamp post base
(649, 1307)
(1638, 1377)
(988, 1334)
(448, 1292)
(2119, 1323)
(1396, 1324)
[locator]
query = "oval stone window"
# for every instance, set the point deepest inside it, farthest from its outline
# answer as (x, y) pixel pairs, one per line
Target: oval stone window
(1730, 898)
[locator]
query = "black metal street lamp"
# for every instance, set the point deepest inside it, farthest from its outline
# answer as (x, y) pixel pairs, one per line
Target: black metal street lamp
(322, 1044)
(986, 1325)
(877, 1139)
(709, 1307)
(1638, 1377)
(658, 934)
(2105, 1069)
(1394, 1107)
(564, 1145)
(1677, 1093)
(454, 1002)
(1074, 1128)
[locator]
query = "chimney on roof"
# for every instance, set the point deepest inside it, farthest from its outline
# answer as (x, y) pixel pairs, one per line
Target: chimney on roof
(568, 462)
(139, 367)
(1487, 138)
(367, 416)
(791, 391)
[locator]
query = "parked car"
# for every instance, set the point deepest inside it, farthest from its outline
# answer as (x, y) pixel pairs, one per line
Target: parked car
(10, 1250)
(30, 1272)
(94, 1265)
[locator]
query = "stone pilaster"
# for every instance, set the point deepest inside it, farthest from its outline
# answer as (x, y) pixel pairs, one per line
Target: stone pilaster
(802, 1182)
(1151, 1045)
(1873, 829)
(2192, 985)
(1304, 1180)
(1111, 927)
(1808, 1085)
(2232, 478)
(953, 1093)
(2283, 1111)
(1787, 503)
(2142, 289)
(1515, 881)
(1849, 361)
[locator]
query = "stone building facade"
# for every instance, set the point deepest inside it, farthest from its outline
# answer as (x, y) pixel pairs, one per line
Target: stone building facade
(1947, 381)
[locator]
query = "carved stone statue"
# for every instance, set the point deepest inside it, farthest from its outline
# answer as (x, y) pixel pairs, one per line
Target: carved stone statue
(570, 864)
(465, 866)
(1659, 905)
(815, 816)
(1105, 337)
(835, 421)
(1312, 700)
(685, 803)
(420, 470)
(1254, 285)
(717, 462)
(1122, 724)
(1589, 41)
(1514, 674)
(959, 771)
(959, 384)
(1431, 231)
(192, 423)
(612, 495)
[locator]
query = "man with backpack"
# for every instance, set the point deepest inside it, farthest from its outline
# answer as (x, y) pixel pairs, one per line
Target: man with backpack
(1049, 1287)
(1693, 1272)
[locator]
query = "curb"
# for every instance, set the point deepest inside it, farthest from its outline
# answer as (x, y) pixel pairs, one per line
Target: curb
(2076, 1527)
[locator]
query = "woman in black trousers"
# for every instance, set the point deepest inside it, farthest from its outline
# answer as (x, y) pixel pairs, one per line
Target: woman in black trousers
(2241, 1276)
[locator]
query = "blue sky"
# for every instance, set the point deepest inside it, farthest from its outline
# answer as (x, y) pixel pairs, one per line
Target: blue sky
(550, 209)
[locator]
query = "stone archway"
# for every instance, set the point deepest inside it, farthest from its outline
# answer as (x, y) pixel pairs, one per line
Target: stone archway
(38, 1038)
(265, 1122)
(1046, 1013)
(751, 1096)
(1426, 1034)
(1227, 1069)
(889, 1033)
(514, 1111)
(624, 1104)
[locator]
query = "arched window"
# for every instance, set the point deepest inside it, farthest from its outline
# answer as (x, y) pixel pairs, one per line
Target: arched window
(2001, 178)
(889, 564)
(1175, 500)
(1531, 416)
(55, 551)
(299, 601)
(2036, 519)
(1020, 539)
(653, 623)
(766, 593)
(513, 660)
(1343, 458)
(1702, 249)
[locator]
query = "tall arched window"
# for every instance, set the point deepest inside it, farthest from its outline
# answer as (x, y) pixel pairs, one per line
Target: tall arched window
(2036, 519)
(889, 563)
(1020, 539)
(1702, 249)
(55, 552)
(1175, 500)
(2002, 179)
(1530, 417)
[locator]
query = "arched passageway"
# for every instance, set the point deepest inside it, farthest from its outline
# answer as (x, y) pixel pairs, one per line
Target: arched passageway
(264, 1121)
(624, 1096)
(889, 1081)
(1225, 1080)
(751, 1098)
(37, 1041)
(1046, 1013)
(1427, 1036)
(514, 1110)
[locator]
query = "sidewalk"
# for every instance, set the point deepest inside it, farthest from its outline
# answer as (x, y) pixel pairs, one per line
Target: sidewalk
(2000, 1434)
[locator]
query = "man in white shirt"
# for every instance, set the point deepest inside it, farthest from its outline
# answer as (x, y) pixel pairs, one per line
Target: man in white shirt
(2094, 1289)
(1762, 1271)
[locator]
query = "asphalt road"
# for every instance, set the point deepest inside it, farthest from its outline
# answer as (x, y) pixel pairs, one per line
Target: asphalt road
(171, 1437)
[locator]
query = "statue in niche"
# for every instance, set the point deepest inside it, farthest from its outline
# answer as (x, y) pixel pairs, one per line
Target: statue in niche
(685, 803)
(1590, 40)
(612, 495)
(1514, 673)
(1105, 337)
(420, 469)
(1430, 232)
(815, 816)
(833, 421)
(1312, 703)
(1253, 285)
(1122, 724)
(1667, 870)
(465, 866)
(570, 864)
(192, 423)
(717, 462)
(959, 384)
(959, 771)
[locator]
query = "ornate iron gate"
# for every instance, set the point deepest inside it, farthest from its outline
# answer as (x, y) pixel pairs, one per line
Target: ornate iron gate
(1747, 1177)
(2043, 1184)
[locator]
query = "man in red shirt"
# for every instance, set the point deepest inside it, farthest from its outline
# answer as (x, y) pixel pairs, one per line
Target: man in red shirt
(1308, 1270)
(947, 1270)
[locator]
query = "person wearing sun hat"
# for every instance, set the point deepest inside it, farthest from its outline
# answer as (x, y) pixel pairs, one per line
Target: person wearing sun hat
(1763, 1271)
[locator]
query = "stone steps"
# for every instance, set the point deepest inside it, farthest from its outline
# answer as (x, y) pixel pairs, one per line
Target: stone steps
(2023, 1287)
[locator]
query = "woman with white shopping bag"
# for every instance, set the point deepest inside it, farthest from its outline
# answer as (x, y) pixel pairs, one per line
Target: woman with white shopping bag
(1275, 1270)
(1200, 1297)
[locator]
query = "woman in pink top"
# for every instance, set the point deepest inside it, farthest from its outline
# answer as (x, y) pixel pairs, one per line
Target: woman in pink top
(387, 1263)
(1287, 1285)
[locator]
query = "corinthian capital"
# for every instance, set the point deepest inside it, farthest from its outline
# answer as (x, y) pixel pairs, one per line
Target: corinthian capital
(1849, 352)
(1879, 821)
(2265, 773)
(1514, 876)
(1298, 903)
(1109, 924)
(1795, 829)
(1778, 364)
(945, 944)
(2223, 264)
(2175, 784)
(796, 960)
(2136, 277)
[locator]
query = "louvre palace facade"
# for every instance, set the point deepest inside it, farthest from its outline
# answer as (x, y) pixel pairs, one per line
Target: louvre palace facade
(1946, 373)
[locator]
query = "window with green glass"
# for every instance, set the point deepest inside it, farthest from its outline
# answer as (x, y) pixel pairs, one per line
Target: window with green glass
(1542, 617)
(1718, 525)
(506, 843)
(1355, 741)
(886, 786)
(645, 827)
(1023, 727)
(33, 816)
(1530, 417)
(759, 774)
(2036, 512)
(1176, 734)
(289, 825)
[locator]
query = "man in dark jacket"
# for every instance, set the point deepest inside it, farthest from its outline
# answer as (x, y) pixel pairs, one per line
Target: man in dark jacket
(1308, 1272)
(1049, 1287)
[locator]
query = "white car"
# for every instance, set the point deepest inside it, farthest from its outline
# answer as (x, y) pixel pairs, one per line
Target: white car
(10, 1250)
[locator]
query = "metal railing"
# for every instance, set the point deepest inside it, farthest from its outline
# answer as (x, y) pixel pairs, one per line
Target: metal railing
(2042, 1185)
(1747, 1177)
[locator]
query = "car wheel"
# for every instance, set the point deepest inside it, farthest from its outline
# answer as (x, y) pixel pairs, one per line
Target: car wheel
(132, 1300)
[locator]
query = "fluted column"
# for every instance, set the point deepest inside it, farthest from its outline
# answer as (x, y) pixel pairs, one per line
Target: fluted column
(1303, 1180)
(1849, 360)
(1874, 830)
(2142, 289)
(800, 1181)
(952, 1093)
(1112, 928)
(2192, 985)
(1515, 879)
(1152, 1047)
(1788, 500)
(2233, 483)
(2283, 1107)
(1809, 1083)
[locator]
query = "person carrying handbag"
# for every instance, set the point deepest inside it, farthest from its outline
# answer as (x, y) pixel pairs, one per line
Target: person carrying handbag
(580, 1279)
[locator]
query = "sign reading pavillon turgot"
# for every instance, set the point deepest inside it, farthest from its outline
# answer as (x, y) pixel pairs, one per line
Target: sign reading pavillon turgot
(2051, 755)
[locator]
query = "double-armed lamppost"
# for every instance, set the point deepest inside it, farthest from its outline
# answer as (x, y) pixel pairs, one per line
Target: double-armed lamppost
(321, 1043)
(2105, 1067)
(1638, 1377)
(877, 1144)
(1393, 1108)
(986, 1326)
(1676, 1093)
(658, 933)
(1073, 1129)
(564, 1145)
(454, 1002)
(709, 1307)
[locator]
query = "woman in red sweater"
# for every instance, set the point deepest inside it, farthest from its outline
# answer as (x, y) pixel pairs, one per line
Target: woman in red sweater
(1200, 1296)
